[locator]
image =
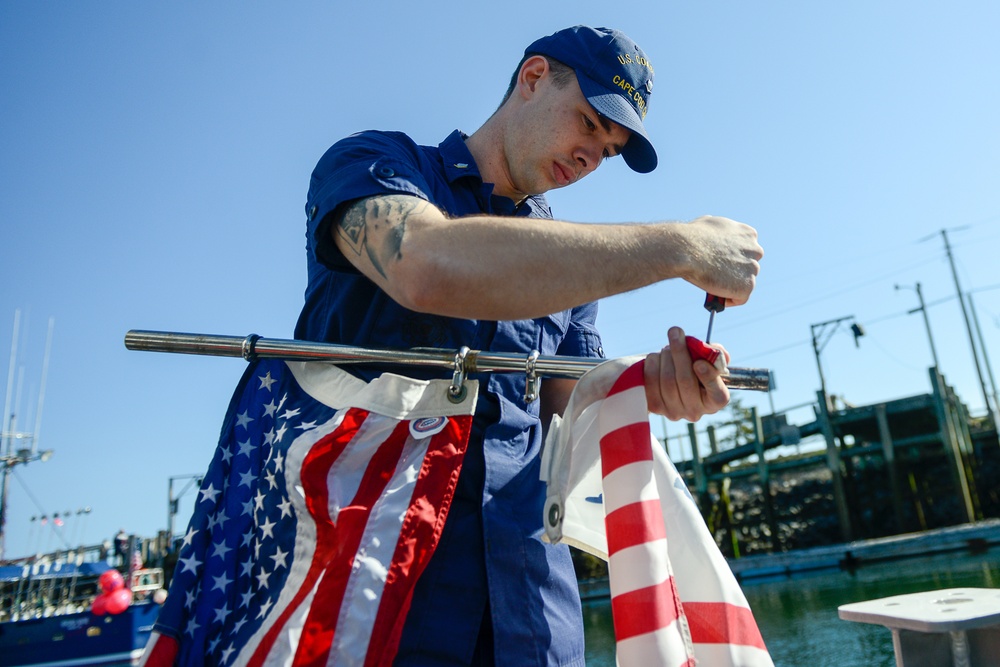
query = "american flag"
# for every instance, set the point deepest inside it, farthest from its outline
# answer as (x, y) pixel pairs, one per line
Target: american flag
(136, 563)
(614, 493)
(323, 488)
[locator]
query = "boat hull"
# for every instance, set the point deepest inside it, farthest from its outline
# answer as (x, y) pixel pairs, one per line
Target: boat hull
(80, 639)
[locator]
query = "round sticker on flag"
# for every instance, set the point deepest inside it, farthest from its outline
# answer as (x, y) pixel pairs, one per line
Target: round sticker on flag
(426, 427)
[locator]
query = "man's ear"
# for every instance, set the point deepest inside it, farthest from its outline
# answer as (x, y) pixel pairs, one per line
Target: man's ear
(533, 70)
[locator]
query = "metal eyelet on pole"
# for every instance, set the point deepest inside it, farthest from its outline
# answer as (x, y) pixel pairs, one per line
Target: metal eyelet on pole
(248, 347)
(532, 381)
(457, 390)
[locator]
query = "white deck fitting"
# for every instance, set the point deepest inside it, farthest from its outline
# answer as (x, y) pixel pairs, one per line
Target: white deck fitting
(955, 626)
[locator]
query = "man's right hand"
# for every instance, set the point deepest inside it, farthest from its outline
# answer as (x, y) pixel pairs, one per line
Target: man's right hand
(722, 258)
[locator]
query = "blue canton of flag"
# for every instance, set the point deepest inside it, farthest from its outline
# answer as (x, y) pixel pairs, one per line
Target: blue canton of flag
(235, 555)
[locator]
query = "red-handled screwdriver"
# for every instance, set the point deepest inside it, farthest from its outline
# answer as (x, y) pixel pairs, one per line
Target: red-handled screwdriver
(713, 304)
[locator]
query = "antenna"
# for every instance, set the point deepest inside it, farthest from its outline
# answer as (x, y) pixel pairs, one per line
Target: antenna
(41, 391)
(5, 434)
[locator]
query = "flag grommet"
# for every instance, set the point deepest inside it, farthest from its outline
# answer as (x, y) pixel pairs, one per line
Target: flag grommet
(554, 515)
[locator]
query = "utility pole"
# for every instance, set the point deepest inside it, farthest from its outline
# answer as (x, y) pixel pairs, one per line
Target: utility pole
(968, 328)
(986, 358)
(173, 502)
(821, 334)
(927, 322)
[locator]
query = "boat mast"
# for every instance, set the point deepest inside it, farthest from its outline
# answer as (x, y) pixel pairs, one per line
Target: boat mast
(10, 453)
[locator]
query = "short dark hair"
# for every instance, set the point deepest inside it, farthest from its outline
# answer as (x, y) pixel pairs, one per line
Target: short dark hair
(562, 74)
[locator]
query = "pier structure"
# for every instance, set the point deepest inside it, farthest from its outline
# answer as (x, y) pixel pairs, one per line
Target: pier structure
(896, 467)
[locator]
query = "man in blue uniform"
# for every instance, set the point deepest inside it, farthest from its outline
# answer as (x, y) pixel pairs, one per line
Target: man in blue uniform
(417, 246)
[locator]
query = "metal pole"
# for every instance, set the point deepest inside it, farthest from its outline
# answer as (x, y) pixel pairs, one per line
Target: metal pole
(174, 501)
(968, 327)
(927, 324)
(6, 429)
(826, 420)
(475, 361)
(4, 481)
(41, 391)
(819, 345)
(927, 321)
(819, 365)
(986, 359)
(170, 512)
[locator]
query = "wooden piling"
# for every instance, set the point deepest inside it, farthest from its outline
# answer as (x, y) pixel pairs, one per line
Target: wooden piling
(889, 454)
(833, 463)
(951, 443)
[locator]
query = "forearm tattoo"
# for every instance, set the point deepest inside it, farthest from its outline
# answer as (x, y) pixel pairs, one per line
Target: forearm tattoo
(376, 226)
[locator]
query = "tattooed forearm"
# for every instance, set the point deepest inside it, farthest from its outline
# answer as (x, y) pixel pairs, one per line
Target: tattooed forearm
(376, 226)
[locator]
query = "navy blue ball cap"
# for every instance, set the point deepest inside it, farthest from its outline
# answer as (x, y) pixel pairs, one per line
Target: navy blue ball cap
(615, 77)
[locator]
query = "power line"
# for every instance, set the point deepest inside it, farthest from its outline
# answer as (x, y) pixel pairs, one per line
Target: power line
(794, 305)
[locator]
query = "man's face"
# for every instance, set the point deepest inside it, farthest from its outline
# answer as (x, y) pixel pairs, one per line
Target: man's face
(559, 138)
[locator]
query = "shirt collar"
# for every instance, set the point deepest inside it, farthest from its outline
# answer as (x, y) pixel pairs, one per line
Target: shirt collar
(457, 159)
(459, 163)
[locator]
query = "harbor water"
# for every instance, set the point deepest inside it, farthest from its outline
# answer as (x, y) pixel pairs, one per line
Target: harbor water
(798, 617)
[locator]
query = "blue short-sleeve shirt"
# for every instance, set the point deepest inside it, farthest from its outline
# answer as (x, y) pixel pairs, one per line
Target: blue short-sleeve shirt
(490, 556)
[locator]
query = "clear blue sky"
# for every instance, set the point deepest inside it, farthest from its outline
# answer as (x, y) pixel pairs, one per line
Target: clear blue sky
(154, 159)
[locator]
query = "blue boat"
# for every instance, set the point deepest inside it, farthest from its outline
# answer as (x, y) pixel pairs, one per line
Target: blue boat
(48, 617)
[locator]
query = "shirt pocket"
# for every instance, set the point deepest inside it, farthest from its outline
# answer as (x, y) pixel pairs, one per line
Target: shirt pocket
(551, 332)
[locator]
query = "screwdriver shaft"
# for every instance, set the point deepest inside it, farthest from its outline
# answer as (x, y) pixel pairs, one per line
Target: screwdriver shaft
(713, 304)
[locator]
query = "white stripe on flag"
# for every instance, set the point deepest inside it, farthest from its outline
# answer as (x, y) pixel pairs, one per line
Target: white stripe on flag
(731, 655)
(345, 475)
(629, 484)
(367, 579)
(633, 565)
(618, 410)
(668, 641)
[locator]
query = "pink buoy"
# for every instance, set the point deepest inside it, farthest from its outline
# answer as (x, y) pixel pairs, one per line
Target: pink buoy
(100, 605)
(119, 600)
(111, 580)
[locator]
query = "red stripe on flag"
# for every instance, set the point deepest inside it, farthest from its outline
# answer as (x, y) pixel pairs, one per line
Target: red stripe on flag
(632, 377)
(722, 623)
(644, 610)
(628, 444)
(313, 475)
(318, 630)
(161, 651)
(633, 524)
(419, 537)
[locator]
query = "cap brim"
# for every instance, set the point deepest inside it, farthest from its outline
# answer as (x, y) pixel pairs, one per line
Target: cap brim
(638, 152)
